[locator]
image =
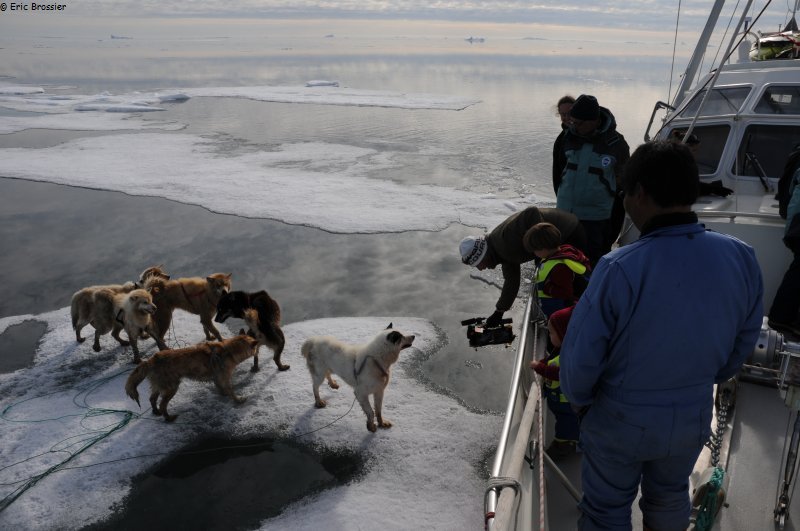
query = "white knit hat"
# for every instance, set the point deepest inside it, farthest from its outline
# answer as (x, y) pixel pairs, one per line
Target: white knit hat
(473, 249)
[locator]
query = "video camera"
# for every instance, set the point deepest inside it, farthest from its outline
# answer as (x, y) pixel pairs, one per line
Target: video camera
(480, 336)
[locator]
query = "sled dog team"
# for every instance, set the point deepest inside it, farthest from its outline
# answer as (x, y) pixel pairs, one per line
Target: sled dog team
(143, 309)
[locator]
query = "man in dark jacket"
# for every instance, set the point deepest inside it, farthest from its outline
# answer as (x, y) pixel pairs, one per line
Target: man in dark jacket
(596, 155)
(785, 305)
(505, 246)
(563, 107)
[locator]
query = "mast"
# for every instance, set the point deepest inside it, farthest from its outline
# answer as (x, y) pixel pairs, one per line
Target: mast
(699, 51)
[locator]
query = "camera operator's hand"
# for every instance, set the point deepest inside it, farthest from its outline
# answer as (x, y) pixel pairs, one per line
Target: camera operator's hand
(494, 320)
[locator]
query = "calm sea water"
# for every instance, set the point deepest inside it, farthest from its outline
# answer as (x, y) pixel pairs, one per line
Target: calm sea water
(54, 244)
(56, 239)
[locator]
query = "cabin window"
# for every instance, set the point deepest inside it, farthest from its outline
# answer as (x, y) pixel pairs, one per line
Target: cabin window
(780, 100)
(767, 146)
(707, 145)
(721, 101)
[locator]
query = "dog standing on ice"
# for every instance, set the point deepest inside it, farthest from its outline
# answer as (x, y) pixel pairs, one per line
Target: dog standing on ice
(82, 303)
(262, 315)
(113, 312)
(212, 360)
(367, 368)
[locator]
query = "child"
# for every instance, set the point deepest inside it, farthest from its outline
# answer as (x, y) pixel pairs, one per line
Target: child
(566, 437)
(563, 270)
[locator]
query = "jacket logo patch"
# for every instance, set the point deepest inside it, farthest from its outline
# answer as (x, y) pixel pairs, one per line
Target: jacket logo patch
(606, 161)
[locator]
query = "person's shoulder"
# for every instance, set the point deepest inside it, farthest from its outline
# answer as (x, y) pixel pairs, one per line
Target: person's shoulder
(729, 240)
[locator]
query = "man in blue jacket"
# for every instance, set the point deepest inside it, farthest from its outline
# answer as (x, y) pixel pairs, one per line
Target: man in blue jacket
(662, 320)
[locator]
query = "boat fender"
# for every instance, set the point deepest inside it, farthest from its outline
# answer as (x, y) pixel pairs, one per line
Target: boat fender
(708, 497)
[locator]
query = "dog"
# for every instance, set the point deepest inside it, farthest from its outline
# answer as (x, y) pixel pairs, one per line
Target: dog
(367, 368)
(206, 361)
(151, 272)
(195, 295)
(82, 300)
(113, 312)
(262, 315)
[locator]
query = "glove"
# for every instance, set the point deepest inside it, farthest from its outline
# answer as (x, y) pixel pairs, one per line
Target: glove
(538, 367)
(493, 320)
(715, 188)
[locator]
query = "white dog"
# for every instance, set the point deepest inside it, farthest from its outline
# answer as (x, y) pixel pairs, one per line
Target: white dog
(367, 368)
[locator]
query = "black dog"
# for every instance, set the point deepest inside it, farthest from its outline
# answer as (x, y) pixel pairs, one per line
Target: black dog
(262, 314)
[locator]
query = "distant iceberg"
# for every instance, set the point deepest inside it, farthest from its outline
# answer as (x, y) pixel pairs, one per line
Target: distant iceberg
(20, 90)
(321, 83)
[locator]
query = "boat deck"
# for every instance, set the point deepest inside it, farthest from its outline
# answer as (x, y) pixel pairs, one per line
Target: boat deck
(753, 473)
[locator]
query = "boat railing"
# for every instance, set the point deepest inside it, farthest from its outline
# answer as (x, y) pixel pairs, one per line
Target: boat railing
(733, 215)
(499, 501)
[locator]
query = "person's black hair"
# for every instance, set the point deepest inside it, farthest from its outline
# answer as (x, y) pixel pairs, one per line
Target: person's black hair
(666, 171)
(565, 99)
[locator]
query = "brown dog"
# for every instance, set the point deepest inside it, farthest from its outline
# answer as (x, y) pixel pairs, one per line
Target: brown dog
(113, 312)
(205, 361)
(195, 295)
(83, 299)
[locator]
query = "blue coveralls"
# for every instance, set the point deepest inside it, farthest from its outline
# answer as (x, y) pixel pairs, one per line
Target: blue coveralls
(661, 321)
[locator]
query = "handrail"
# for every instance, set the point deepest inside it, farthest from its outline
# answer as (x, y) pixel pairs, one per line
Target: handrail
(504, 511)
(515, 387)
(731, 215)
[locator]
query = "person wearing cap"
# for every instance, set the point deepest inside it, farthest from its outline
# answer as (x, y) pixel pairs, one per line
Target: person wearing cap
(566, 425)
(662, 320)
(506, 246)
(596, 154)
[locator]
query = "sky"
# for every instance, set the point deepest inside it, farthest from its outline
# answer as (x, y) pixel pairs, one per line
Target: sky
(588, 14)
(621, 13)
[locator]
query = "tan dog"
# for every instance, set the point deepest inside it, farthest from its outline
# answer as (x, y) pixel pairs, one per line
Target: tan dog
(205, 361)
(83, 299)
(152, 272)
(367, 368)
(195, 295)
(113, 312)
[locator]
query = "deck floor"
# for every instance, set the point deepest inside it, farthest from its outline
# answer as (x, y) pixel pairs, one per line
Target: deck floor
(754, 469)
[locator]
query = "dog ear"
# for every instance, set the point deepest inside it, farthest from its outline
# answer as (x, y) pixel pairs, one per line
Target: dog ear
(388, 327)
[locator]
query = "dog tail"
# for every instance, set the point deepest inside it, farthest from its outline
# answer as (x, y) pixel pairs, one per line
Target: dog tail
(74, 311)
(306, 348)
(135, 378)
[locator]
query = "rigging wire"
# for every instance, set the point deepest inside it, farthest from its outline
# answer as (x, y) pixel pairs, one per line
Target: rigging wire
(674, 46)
